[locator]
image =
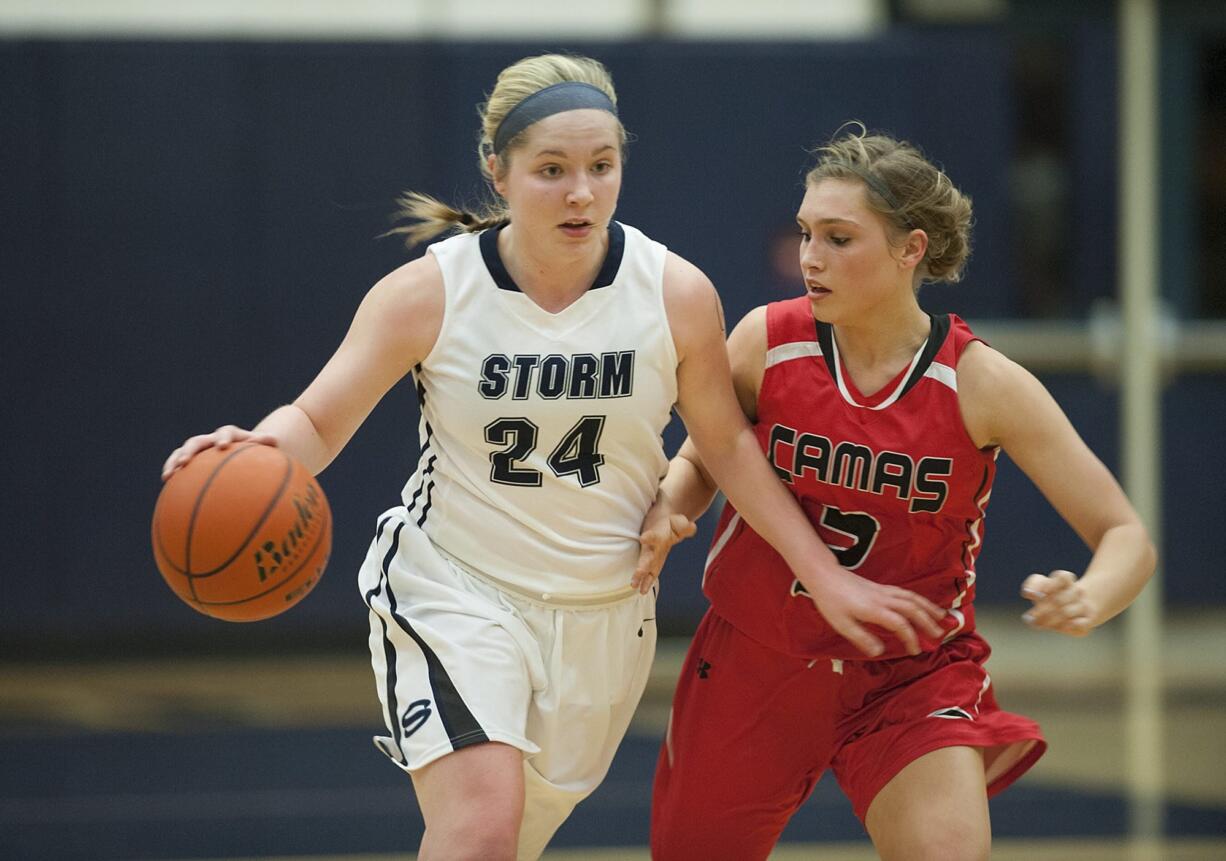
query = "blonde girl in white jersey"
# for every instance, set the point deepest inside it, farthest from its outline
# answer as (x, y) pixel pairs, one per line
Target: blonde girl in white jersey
(510, 602)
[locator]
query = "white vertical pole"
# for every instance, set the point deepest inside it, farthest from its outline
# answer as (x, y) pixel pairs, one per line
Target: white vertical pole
(1141, 399)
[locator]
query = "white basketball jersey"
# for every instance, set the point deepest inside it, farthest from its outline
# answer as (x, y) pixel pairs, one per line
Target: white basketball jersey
(541, 443)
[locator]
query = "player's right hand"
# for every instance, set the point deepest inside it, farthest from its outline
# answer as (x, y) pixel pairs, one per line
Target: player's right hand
(660, 532)
(224, 437)
(849, 602)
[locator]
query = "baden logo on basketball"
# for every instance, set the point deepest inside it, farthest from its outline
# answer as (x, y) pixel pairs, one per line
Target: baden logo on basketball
(242, 533)
(274, 554)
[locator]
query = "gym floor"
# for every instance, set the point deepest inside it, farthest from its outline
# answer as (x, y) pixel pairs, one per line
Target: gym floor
(196, 758)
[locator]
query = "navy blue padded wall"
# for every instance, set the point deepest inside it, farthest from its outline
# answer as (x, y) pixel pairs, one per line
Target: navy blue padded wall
(187, 228)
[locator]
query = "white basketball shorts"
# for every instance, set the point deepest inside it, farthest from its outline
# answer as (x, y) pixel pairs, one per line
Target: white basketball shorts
(459, 661)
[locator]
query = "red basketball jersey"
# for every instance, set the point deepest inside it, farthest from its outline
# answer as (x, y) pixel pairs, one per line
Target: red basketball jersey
(892, 482)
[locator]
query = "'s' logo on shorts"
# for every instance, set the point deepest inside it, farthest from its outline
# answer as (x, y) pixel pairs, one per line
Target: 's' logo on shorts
(415, 715)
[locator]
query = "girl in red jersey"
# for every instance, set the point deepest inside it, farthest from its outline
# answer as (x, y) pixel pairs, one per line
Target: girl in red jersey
(885, 422)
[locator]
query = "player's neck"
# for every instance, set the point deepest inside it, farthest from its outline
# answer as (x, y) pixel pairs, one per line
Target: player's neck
(884, 343)
(552, 277)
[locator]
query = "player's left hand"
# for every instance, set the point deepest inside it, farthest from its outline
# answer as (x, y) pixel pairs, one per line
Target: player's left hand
(660, 532)
(1060, 604)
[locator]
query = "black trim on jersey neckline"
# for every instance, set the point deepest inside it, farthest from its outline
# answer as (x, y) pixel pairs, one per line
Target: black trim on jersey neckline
(825, 340)
(937, 333)
(498, 270)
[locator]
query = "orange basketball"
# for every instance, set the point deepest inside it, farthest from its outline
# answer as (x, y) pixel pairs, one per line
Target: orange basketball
(242, 533)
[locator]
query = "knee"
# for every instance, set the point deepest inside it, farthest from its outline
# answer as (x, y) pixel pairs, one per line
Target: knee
(951, 850)
(468, 847)
(476, 838)
(917, 834)
(952, 845)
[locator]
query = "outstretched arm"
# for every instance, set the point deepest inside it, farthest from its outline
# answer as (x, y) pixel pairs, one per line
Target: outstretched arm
(730, 454)
(1003, 404)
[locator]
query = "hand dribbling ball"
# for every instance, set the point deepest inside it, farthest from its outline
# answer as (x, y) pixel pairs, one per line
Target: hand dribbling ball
(242, 533)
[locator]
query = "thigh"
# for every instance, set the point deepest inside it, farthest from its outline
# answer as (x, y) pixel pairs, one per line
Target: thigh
(935, 809)
(748, 737)
(472, 802)
(596, 665)
(448, 661)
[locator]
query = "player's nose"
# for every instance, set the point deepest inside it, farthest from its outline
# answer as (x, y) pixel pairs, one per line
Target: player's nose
(580, 193)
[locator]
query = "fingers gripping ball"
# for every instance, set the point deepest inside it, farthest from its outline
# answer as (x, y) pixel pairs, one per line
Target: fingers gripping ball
(242, 533)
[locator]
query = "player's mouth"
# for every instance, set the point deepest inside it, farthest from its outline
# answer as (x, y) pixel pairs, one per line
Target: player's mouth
(577, 227)
(815, 290)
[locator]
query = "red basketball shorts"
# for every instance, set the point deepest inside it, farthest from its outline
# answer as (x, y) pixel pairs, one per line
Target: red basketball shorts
(753, 729)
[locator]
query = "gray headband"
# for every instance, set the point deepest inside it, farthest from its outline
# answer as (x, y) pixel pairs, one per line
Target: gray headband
(566, 96)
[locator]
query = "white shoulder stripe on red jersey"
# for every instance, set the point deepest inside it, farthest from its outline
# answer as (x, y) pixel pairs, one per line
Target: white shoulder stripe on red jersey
(794, 350)
(943, 374)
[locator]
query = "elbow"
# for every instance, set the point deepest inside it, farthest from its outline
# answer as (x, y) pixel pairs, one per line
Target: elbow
(690, 456)
(730, 445)
(1146, 551)
(1150, 557)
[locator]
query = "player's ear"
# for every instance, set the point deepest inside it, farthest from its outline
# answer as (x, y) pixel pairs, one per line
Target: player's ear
(496, 174)
(913, 249)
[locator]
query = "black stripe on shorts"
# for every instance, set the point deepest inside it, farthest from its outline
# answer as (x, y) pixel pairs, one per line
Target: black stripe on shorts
(389, 650)
(458, 721)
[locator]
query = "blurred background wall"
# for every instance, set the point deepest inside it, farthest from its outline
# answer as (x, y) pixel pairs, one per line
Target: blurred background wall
(191, 197)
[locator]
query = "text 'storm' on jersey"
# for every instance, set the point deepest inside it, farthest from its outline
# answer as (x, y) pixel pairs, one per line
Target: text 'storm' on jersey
(585, 375)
